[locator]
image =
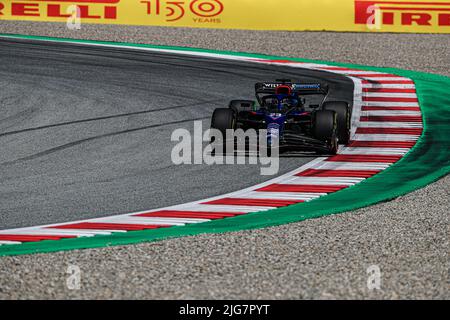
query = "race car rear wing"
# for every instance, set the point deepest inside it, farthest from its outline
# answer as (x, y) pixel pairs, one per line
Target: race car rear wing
(300, 88)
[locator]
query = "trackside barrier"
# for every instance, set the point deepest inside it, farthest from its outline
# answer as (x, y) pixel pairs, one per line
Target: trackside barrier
(412, 16)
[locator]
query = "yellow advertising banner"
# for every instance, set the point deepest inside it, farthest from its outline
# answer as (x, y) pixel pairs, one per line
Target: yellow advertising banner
(333, 15)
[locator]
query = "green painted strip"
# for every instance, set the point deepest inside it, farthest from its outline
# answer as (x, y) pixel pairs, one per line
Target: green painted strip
(425, 163)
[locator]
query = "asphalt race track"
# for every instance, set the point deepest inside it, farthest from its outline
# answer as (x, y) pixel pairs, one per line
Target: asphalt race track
(85, 132)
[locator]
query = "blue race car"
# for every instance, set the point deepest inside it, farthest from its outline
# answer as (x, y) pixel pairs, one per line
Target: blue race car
(282, 110)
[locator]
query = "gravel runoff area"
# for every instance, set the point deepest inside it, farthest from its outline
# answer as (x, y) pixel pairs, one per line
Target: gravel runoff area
(326, 258)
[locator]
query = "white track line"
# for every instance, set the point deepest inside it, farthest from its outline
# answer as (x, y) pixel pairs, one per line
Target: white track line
(392, 104)
(222, 207)
(330, 181)
(382, 78)
(330, 165)
(283, 195)
(385, 137)
(383, 124)
(390, 113)
(352, 72)
(388, 86)
(389, 95)
(56, 232)
(9, 242)
(372, 150)
(154, 220)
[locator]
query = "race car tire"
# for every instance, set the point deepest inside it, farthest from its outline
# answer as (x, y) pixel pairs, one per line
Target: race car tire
(325, 129)
(241, 105)
(324, 124)
(223, 119)
(343, 116)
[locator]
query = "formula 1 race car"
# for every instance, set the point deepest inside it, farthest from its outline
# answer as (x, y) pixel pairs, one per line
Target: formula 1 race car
(282, 110)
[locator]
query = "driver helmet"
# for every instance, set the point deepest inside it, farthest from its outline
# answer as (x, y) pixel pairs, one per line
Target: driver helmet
(288, 101)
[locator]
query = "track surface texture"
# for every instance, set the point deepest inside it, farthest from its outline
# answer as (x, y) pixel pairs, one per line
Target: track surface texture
(89, 135)
(323, 258)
